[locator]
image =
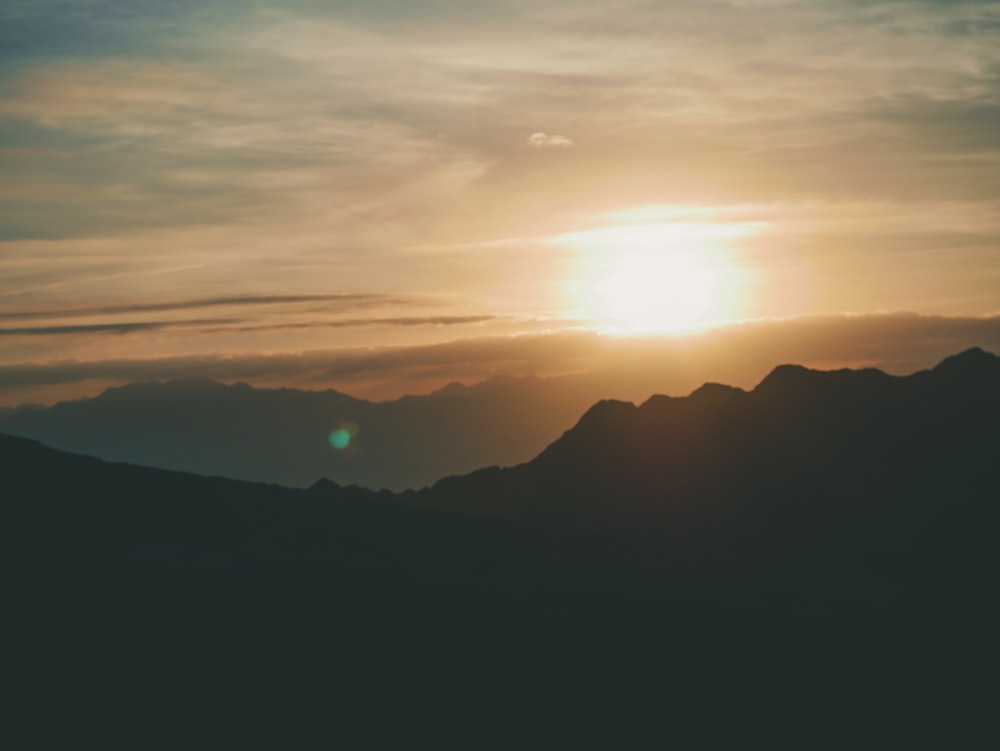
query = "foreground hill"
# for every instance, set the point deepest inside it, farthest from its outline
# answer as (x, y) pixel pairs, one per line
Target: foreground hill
(141, 602)
(814, 563)
(282, 435)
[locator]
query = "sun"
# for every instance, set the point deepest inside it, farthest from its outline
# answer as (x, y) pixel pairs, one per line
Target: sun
(645, 290)
(654, 277)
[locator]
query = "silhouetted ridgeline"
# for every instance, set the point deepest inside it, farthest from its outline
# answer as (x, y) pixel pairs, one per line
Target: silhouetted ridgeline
(812, 563)
(806, 450)
(282, 435)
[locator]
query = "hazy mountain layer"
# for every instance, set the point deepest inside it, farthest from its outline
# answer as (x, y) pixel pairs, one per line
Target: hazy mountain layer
(283, 436)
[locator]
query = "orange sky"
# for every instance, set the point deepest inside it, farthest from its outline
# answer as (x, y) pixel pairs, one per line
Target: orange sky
(206, 187)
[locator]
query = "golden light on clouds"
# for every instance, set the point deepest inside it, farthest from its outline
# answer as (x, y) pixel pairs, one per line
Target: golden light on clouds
(656, 275)
(449, 168)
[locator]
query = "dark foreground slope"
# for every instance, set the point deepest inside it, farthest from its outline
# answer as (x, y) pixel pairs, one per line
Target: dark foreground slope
(813, 563)
(138, 599)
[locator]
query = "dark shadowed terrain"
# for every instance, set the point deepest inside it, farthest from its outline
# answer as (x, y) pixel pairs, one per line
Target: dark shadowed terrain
(812, 564)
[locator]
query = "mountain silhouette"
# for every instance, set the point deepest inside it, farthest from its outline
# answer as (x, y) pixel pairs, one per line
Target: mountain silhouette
(282, 435)
(813, 563)
(802, 450)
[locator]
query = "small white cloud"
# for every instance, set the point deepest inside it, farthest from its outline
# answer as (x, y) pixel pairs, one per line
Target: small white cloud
(544, 140)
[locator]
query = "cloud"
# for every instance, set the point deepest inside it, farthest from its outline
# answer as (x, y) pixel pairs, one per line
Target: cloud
(117, 329)
(403, 321)
(544, 140)
(942, 126)
(102, 326)
(631, 368)
(307, 146)
(236, 325)
(338, 301)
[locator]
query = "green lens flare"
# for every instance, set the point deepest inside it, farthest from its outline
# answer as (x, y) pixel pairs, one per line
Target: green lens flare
(341, 436)
(340, 439)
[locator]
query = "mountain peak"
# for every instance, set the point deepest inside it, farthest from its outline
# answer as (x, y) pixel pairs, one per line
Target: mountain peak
(607, 409)
(784, 378)
(715, 392)
(797, 379)
(607, 418)
(452, 388)
(973, 362)
(326, 488)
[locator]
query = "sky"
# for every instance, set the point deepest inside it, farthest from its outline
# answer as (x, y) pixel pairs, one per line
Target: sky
(383, 196)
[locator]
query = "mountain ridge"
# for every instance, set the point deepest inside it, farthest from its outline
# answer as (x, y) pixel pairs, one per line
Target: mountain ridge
(884, 429)
(823, 566)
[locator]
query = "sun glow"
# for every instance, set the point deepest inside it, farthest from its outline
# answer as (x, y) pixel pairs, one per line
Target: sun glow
(655, 276)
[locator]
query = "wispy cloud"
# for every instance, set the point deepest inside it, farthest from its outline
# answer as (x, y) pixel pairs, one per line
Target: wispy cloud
(544, 140)
(236, 325)
(405, 322)
(117, 329)
(298, 147)
(337, 301)
(632, 368)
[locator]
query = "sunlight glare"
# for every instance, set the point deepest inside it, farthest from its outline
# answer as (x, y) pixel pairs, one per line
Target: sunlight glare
(655, 276)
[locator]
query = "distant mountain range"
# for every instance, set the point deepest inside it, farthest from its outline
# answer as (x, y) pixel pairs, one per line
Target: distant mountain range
(282, 436)
(813, 563)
